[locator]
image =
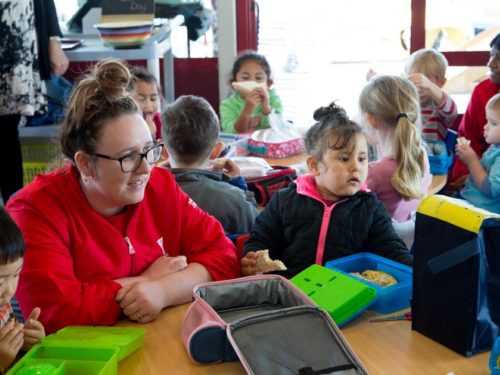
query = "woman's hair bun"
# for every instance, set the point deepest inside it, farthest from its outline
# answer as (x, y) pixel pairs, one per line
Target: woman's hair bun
(326, 112)
(113, 78)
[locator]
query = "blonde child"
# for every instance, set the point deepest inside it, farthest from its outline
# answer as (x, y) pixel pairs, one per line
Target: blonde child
(426, 69)
(247, 110)
(482, 187)
(326, 214)
(14, 336)
(147, 94)
(401, 175)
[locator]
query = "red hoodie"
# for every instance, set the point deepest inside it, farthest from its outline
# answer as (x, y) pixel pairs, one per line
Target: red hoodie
(73, 254)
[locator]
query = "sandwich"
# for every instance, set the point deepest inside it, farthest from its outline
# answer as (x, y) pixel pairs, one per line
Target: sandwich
(265, 264)
(247, 86)
(377, 277)
(463, 141)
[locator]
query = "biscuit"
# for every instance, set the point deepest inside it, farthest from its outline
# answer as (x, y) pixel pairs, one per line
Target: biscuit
(265, 264)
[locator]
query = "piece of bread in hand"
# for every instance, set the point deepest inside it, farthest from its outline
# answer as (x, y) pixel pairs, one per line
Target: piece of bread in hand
(265, 264)
(463, 141)
(219, 164)
(247, 86)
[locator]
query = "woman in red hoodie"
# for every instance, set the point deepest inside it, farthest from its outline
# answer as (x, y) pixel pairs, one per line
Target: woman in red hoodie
(108, 233)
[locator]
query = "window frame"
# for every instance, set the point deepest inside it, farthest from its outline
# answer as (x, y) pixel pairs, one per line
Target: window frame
(455, 58)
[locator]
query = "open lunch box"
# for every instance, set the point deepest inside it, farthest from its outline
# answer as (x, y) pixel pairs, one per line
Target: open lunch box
(269, 325)
(389, 298)
(80, 350)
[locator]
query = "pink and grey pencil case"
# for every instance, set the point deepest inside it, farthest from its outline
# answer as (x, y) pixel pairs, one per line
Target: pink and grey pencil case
(269, 325)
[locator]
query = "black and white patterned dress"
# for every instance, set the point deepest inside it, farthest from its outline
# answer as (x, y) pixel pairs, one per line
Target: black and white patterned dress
(21, 89)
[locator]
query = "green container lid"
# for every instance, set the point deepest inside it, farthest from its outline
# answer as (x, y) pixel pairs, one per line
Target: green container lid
(341, 296)
(126, 339)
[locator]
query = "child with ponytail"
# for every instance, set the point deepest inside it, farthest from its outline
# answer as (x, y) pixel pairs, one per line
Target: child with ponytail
(326, 214)
(400, 177)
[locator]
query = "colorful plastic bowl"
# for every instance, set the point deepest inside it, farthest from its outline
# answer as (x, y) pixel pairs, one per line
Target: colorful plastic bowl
(124, 34)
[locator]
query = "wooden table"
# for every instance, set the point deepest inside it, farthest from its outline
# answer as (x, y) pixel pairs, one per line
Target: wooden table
(383, 347)
(437, 183)
(291, 160)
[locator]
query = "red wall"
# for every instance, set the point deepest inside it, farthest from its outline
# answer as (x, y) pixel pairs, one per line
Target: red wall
(197, 76)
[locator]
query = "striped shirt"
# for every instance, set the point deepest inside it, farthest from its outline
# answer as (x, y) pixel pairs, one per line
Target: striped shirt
(437, 119)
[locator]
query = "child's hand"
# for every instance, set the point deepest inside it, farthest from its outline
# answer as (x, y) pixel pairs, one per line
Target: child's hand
(151, 125)
(249, 264)
(33, 330)
(456, 185)
(252, 100)
(370, 74)
(226, 166)
(465, 153)
(264, 96)
(11, 341)
(426, 88)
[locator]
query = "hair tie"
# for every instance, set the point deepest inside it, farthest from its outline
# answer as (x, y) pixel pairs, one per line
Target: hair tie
(401, 115)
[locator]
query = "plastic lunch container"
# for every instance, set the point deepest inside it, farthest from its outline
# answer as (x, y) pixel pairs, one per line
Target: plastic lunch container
(389, 299)
(80, 350)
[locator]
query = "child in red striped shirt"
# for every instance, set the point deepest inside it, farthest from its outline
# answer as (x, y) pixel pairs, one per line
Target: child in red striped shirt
(426, 69)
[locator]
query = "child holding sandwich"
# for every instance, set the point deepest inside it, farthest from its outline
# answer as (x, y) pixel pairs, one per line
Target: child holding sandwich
(249, 107)
(482, 187)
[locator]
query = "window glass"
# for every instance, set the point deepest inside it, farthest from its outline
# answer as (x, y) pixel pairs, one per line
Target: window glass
(461, 25)
(65, 10)
(321, 50)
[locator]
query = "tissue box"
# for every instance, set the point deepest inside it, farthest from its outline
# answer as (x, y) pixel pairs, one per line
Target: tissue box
(275, 150)
(389, 299)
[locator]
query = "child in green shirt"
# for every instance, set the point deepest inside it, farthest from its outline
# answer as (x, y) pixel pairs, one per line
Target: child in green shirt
(249, 107)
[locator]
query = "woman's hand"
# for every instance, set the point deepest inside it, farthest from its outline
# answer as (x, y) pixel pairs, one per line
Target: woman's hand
(33, 330)
(11, 341)
(142, 301)
(58, 61)
(249, 264)
(164, 265)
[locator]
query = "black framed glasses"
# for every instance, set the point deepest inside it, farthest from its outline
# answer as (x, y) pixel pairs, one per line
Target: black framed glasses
(131, 162)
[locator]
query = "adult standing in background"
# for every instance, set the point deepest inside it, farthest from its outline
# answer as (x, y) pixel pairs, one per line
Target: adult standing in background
(30, 52)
